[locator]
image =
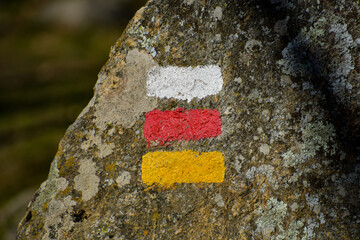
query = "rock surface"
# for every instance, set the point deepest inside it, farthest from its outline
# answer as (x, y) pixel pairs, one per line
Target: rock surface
(289, 107)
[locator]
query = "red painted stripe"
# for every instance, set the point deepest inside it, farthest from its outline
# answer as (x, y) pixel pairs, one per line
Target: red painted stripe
(181, 124)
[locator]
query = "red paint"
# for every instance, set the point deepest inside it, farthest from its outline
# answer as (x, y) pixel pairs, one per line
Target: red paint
(181, 124)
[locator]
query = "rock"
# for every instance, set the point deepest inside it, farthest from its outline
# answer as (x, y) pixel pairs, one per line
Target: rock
(287, 109)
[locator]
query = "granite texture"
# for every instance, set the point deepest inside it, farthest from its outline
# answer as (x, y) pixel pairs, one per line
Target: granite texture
(290, 129)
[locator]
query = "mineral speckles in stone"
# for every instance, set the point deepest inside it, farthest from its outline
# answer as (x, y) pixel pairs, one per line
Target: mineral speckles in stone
(184, 83)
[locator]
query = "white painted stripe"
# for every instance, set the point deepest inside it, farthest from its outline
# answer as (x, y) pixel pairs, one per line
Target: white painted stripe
(184, 83)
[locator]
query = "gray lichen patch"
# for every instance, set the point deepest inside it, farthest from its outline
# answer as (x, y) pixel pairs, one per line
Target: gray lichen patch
(52, 186)
(218, 13)
(189, 2)
(105, 149)
(219, 200)
(123, 105)
(53, 212)
(93, 138)
(309, 230)
(294, 230)
(265, 170)
(144, 39)
(87, 182)
(265, 149)
(58, 213)
(315, 136)
(253, 45)
(316, 41)
(271, 217)
(123, 179)
(313, 203)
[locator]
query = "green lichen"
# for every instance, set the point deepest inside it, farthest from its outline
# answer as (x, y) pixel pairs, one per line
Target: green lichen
(316, 137)
(293, 230)
(105, 229)
(49, 188)
(271, 218)
(144, 39)
(316, 32)
(309, 233)
(327, 35)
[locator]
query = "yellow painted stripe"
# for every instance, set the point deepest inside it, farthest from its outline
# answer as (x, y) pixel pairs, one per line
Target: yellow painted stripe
(167, 168)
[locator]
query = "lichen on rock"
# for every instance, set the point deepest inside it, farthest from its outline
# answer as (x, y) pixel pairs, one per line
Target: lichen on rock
(316, 137)
(271, 217)
(287, 153)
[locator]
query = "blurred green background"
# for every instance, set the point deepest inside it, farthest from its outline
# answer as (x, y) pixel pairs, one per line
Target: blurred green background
(50, 54)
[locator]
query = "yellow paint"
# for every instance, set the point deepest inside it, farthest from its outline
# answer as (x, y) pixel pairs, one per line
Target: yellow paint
(167, 168)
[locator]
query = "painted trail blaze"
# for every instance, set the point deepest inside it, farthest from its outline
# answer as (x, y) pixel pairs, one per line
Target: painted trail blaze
(167, 168)
(184, 83)
(181, 124)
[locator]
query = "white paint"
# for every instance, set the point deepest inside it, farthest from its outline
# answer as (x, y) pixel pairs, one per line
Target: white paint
(184, 83)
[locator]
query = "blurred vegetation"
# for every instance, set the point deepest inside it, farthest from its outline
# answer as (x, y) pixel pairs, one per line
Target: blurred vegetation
(47, 72)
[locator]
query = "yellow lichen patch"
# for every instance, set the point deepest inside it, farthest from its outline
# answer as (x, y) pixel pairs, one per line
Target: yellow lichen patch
(110, 167)
(167, 168)
(69, 162)
(65, 192)
(60, 150)
(45, 206)
(63, 166)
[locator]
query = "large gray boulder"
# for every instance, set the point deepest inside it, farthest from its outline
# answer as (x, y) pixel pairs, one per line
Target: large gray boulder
(284, 76)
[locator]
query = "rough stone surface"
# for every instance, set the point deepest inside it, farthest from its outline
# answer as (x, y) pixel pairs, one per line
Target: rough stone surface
(290, 129)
